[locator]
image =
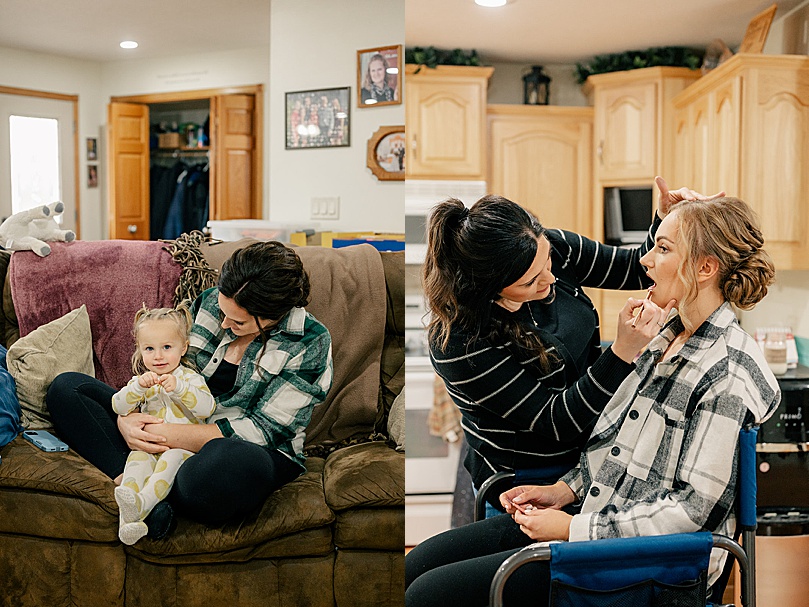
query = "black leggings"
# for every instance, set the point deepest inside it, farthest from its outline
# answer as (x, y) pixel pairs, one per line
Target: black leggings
(456, 568)
(226, 480)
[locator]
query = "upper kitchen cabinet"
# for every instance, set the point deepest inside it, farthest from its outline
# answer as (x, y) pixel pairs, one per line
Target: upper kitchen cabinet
(446, 122)
(744, 129)
(633, 118)
(541, 158)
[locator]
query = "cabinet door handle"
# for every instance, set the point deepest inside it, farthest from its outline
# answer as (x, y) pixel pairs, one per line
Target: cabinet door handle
(414, 148)
(600, 151)
(132, 228)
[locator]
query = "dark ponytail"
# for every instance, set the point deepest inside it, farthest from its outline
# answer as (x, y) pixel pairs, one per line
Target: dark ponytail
(472, 255)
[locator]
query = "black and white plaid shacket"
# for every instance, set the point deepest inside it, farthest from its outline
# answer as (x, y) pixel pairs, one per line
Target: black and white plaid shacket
(662, 456)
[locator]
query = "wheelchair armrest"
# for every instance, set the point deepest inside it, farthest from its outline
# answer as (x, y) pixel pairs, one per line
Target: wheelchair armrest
(539, 553)
(485, 489)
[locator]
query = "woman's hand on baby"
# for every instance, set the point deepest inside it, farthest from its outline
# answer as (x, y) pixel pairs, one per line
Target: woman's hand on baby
(148, 379)
(137, 438)
(169, 382)
(638, 322)
(668, 198)
(544, 525)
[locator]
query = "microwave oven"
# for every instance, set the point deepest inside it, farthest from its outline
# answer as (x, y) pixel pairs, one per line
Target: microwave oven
(628, 212)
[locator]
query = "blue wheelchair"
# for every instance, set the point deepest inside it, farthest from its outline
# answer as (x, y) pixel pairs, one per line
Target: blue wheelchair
(669, 570)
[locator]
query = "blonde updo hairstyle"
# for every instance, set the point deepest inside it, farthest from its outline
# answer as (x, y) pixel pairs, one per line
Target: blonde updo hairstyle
(179, 316)
(727, 230)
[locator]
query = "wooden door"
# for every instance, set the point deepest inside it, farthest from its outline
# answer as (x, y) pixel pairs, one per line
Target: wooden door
(541, 158)
(128, 125)
(233, 174)
(626, 131)
(775, 163)
(726, 129)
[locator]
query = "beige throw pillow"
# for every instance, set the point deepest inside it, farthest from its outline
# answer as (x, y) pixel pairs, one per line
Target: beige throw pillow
(396, 421)
(62, 345)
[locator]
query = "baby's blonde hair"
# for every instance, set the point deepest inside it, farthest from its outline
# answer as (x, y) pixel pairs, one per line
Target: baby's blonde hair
(180, 316)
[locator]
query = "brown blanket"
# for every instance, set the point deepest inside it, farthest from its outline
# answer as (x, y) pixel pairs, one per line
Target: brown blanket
(114, 278)
(348, 296)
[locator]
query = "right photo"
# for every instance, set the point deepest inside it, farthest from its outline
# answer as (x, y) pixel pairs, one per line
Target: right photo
(607, 341)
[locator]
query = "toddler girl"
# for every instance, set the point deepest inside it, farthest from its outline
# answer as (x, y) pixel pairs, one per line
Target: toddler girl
(168, 390)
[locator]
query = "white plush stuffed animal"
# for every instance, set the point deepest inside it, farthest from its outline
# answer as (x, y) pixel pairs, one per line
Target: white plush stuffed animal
(28, 230)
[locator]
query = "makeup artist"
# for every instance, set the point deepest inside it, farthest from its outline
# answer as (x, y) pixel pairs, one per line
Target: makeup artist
(515, 338)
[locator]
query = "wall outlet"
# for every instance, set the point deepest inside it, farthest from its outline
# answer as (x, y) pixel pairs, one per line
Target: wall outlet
(325, 207)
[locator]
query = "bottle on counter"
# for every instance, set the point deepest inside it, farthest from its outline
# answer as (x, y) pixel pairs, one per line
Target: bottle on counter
(775, 352)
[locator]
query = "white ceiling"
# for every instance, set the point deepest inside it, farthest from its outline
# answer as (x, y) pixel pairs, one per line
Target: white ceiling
(525, 31)
(570, 31)
(92, 29)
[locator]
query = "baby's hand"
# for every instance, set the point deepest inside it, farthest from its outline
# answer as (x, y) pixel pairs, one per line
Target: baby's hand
(169, 383)
(148, 379)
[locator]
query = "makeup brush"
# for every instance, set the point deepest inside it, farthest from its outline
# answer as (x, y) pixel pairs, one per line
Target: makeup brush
(648, 296)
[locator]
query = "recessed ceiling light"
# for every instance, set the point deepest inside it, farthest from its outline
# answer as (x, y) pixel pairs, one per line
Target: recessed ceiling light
(491, 3)
(129, 44)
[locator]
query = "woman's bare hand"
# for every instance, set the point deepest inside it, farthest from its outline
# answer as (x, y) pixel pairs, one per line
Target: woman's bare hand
(668, 198)
(636, 328)
(137, 438)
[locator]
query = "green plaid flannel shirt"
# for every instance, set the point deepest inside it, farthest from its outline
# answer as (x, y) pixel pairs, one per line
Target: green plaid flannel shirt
(276, 390)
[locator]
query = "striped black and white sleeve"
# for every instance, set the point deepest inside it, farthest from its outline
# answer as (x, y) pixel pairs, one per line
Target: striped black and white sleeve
(491, 377)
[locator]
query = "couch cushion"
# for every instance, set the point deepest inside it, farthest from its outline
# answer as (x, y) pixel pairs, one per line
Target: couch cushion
(99, 274)
(370, 529)
(365, 475)
(62, 345)
(55, 495)
(296, 515)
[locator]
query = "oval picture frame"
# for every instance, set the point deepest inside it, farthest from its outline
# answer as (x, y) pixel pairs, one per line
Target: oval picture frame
(386, 152)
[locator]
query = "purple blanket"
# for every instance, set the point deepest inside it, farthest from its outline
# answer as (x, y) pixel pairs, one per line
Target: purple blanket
(114, 278)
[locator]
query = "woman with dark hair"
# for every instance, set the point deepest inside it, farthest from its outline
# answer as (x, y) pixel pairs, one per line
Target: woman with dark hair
(661, 458)
(267, 362)
(516, 339)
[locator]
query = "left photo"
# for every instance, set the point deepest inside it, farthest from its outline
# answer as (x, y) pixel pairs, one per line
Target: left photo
(202, 354)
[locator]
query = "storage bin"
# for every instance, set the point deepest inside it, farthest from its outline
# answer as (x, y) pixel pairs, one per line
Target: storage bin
(169, 140)
(235, 229)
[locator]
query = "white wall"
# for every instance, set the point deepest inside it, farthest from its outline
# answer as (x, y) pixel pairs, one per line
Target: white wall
(313, 45)
(40, 72)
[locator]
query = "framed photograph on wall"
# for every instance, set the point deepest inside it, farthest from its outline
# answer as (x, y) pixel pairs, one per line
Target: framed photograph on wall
(379, 81)
(92, 176)
(318, 118)
(386, 153)
(92, 149)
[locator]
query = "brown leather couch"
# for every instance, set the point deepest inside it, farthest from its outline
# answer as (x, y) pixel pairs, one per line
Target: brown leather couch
(334, 536)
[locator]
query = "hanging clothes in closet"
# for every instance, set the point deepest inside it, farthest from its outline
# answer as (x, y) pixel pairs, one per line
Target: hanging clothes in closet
(179, 197)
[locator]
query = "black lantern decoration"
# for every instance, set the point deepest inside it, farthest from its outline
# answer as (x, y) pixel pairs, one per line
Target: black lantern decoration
(536, 87)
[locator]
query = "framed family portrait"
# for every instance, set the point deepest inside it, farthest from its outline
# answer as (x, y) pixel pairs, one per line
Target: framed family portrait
(379, 78)
(318, 118)
(386, 153)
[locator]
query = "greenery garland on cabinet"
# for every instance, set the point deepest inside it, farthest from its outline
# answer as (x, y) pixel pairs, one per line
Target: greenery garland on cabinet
(431, 56)
(670, 56)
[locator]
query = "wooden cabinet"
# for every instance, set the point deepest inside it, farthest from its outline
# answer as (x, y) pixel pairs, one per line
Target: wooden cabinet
(446, 122)
(634, 132)
(234, 157)
(747, 123)
(632, 123)
(541, 158)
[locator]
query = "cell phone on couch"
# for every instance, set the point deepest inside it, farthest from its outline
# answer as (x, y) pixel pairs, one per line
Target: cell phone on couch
(44, 440)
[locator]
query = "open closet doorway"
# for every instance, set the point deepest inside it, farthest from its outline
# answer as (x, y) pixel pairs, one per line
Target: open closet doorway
(38, 153)
(180, 159)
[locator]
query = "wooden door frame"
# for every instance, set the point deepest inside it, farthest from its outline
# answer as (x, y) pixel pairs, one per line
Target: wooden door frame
(74, 99)
(257, 90)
